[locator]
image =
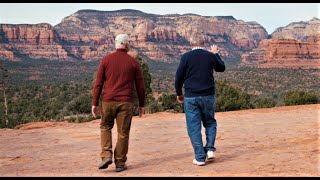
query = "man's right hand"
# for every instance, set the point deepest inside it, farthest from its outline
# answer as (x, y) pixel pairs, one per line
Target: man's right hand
(94, 111)
(180, 99)
(140, 111)
(214, 49)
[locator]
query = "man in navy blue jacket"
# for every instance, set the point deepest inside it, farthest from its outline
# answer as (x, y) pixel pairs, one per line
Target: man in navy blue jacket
(195, 71)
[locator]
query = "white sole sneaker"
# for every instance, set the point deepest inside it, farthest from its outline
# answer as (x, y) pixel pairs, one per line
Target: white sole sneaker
(210, 155)
(198, 163)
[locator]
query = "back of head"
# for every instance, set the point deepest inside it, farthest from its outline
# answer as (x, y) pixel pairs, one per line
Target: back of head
(196, 39)
(121, 41)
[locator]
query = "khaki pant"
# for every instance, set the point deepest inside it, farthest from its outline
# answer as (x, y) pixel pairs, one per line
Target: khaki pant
(122, 112)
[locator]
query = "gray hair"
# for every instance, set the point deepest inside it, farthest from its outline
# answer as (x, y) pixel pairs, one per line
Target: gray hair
(196, 39)
(121, 40)
(120, 46)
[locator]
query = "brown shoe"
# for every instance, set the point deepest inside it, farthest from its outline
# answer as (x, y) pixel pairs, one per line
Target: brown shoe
(105, 163)
(122, 168)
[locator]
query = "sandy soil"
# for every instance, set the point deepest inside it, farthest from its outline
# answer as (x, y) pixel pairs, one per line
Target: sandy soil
(282, 141)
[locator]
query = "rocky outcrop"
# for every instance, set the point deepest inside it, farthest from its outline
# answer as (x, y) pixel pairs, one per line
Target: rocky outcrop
(6, 53)
(296, 46)
(89, 35)
(257, 55)
(285, 53)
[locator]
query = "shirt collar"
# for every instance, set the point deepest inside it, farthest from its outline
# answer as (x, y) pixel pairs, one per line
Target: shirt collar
(197, 47)
(122, 50)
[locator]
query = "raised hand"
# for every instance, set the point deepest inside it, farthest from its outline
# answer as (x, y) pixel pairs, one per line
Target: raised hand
(214, 49)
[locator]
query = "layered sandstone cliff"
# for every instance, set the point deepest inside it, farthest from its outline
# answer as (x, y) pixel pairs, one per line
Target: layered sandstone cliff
(296, 46)
(160, 37)
(31, 41)
(89, 35)
(285, 53)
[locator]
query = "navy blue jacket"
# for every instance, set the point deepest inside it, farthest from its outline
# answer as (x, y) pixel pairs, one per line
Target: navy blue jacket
(195, 71)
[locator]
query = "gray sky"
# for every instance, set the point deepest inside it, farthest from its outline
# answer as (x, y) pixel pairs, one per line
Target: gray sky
(269, 15)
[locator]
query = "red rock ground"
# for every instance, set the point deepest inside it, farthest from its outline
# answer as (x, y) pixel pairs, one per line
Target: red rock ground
(281, 141)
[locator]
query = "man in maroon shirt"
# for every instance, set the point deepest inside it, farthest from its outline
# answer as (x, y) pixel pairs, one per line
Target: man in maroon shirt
(117, 75)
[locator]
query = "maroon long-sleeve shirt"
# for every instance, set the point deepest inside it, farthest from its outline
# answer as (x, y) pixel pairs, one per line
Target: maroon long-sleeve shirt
(117, 74)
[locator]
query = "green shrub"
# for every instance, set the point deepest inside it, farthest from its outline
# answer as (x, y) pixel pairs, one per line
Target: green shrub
(80, 104)
(169, 102)
(264, 103)
(300, 97)
(229, 98)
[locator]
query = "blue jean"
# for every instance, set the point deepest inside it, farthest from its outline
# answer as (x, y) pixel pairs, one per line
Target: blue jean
(201, 109)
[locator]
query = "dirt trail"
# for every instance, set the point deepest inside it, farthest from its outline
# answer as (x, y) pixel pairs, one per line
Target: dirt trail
(282, 141)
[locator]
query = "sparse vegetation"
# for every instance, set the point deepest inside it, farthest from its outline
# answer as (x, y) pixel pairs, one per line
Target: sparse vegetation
(40, 90)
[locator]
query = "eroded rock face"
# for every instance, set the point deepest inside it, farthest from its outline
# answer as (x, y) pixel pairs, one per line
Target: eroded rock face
(296, 46)
(161, 38)
(285, 53)
(5, 53)
(40, 34)
(89, 35)
(32, 41)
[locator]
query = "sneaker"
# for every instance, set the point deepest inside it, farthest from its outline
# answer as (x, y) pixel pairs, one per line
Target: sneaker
(211, 154)
(105, 163)
(198, 163)
(122, 168)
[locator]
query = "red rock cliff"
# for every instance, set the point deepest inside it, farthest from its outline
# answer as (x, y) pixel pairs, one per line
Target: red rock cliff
(33, 41)
(285, 53)
(89, 35)
(296, 45)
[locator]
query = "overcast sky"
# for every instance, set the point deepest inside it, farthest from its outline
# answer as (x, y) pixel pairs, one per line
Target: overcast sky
(269, 15)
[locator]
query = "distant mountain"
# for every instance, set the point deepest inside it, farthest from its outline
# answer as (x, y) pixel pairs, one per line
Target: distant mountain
(89, 34)
(299, 31)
